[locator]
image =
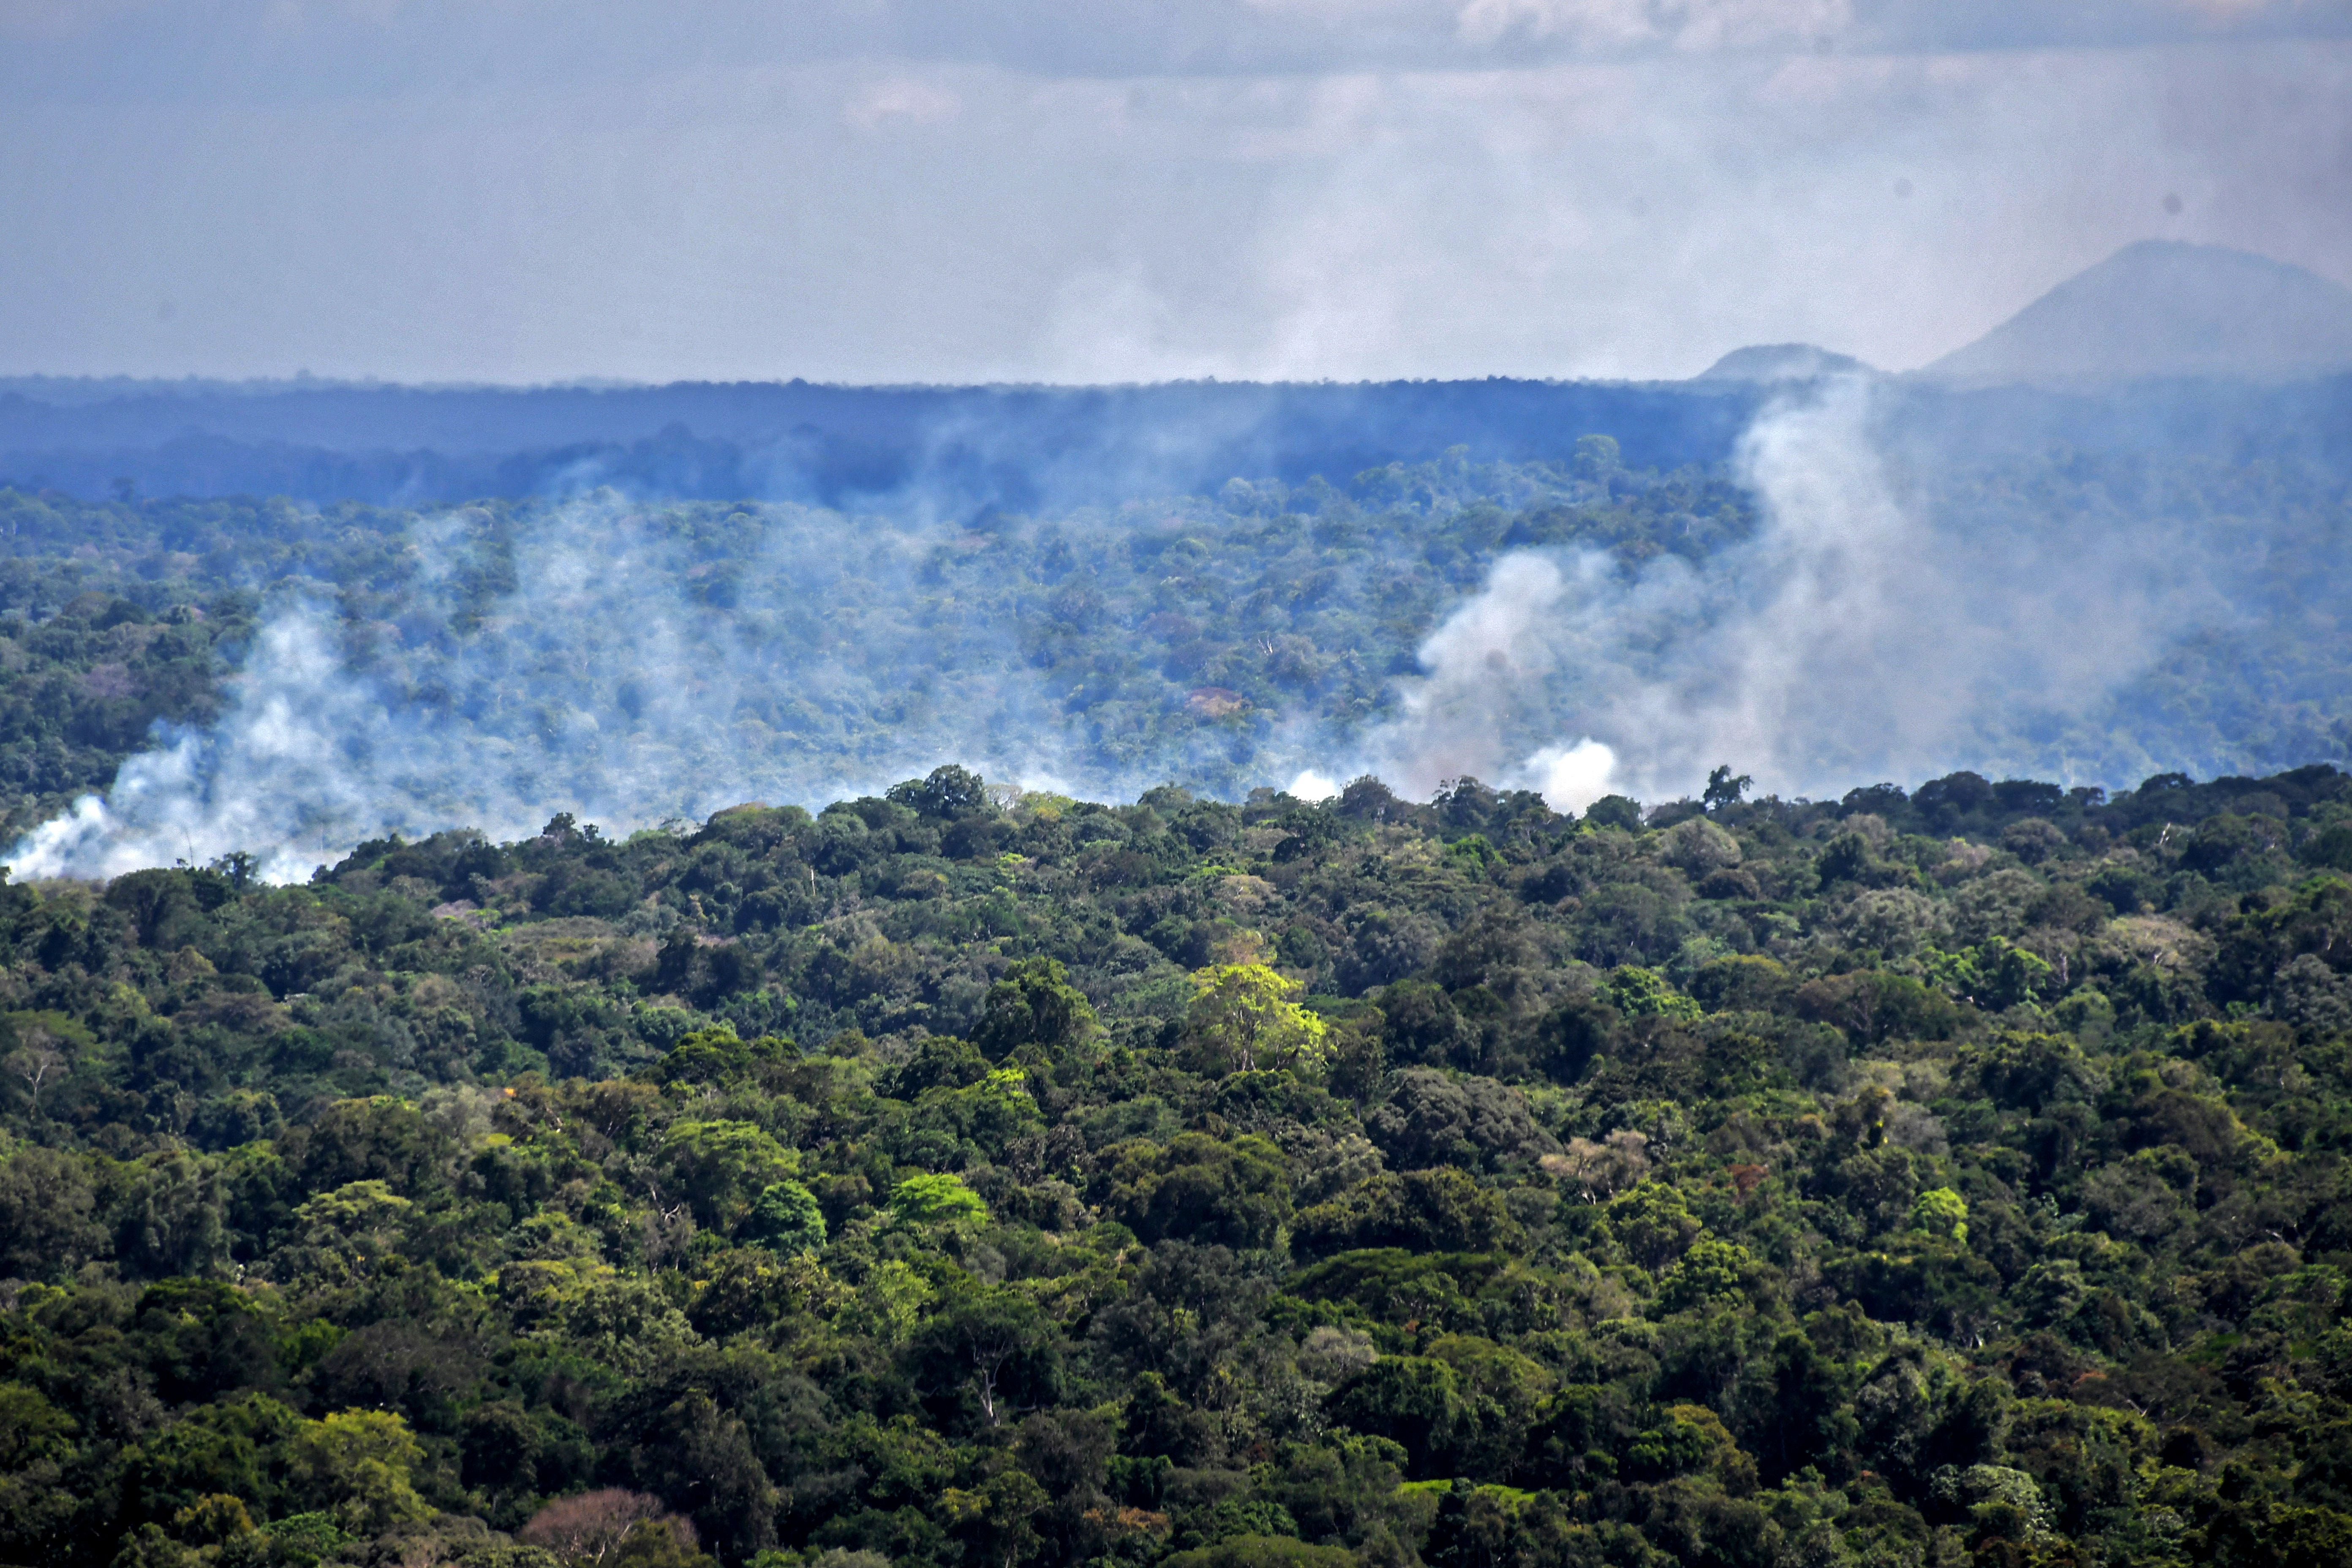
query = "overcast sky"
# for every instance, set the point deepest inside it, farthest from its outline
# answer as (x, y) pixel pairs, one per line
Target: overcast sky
(1076, 190)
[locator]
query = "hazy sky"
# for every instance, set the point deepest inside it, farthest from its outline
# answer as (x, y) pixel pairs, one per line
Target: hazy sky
(896, 190)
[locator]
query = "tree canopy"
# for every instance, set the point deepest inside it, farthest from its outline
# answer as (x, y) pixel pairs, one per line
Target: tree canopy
(1954, 1174)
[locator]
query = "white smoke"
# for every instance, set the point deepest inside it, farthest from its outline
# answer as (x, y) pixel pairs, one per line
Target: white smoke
(1571, 778)
(1854, 637)
(1312, 785)
(1483, 662)
(1842, 653)
(584, 664)
(635, 664)
(291, 770)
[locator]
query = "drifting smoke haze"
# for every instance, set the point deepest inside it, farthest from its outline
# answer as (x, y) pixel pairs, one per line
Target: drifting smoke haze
(634, 663)
(907, 191)
(580, 665)
(1859, 634)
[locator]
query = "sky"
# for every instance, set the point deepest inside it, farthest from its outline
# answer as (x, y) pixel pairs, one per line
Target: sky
(517, 191)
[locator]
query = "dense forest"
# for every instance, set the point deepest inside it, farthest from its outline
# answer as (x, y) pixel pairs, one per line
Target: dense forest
(1173, 638)
(1026, 448)
(1029, 448)
(967, 1178)
(754, 650)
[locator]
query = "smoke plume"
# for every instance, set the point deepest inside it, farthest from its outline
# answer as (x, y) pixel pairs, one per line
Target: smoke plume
(1861, 634)
(603, 661)
(633, 663)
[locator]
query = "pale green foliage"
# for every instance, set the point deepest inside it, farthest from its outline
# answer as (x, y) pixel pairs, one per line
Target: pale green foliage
(1698, 847)
(893, 1299)
(1711, 1271)
(1999, 1499)
(1244, 1019)
(1940, 1211)
(355, 1464)
(1653, 1223)
(347, 1232)
(625, 1322)
(1640, 993)
(937, 1200)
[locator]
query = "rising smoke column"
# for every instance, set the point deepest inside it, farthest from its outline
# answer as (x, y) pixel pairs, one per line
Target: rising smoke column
(1812, 650)
(1859, 634)
(1485, 662)
(289, 768)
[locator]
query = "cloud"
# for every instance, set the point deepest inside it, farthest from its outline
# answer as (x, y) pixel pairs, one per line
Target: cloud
(1610, 25)
(911, 190)
(908, 99)
(1111, 324)
(56, 19)
(369, 45)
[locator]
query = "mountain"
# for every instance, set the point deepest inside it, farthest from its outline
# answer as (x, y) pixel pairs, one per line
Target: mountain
(1781, 362)
(2164, 308)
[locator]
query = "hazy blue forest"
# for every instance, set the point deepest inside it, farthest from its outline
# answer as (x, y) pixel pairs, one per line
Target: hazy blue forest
(1213, 642)
(970, 1176)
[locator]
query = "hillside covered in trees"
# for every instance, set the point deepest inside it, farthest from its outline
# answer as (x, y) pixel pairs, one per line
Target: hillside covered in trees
(722, 651)
(785, 648)
(972, 1179)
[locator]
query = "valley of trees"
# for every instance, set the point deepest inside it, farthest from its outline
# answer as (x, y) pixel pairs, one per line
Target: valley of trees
(966, 1179)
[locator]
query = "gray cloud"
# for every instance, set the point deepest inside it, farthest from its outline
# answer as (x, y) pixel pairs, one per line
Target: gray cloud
(307, 49)
(1286, 188)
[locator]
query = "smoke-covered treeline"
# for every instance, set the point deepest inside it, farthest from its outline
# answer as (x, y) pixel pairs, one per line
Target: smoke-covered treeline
(485, 666)
(2088, 618)
(962, 1180)
(1816, 610)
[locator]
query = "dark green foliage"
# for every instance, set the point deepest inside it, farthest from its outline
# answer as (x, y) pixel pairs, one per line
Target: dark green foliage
(1979, 1195)
(1422, 1211)
(948, 793)
(1035, 1007)
(1199, 1189)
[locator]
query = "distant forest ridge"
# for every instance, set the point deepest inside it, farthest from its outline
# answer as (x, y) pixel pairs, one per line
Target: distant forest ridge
(1020, 447)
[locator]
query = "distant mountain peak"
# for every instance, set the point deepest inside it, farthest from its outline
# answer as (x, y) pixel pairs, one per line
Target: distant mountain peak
(2166, 307)
(1781, 362)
